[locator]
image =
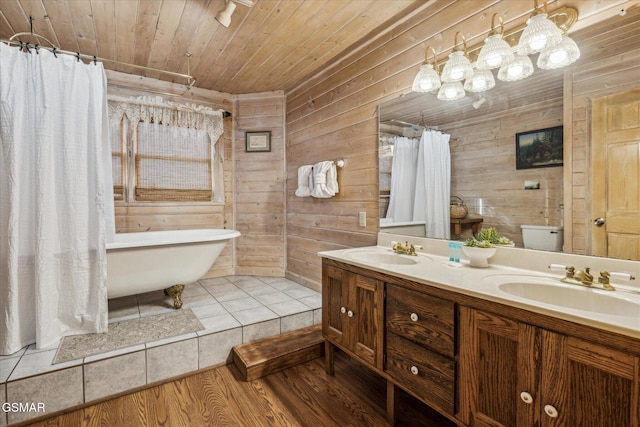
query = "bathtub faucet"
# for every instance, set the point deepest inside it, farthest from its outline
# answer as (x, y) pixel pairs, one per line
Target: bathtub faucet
(406, 249)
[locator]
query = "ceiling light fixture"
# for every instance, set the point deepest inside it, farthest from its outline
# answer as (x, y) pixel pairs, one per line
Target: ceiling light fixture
(224, 16)
(546, 36)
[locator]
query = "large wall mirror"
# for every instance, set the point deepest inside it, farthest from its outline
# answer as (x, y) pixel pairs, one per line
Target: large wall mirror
(498, 189)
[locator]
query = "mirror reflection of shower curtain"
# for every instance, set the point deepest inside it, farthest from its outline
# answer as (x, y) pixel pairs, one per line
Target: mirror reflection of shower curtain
(433, 185)
(403, 179)
(56, 198)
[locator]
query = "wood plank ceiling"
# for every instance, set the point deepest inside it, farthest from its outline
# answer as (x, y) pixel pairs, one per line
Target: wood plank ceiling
(271, 46)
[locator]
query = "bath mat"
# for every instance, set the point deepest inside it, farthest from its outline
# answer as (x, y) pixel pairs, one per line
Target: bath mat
(127, 333)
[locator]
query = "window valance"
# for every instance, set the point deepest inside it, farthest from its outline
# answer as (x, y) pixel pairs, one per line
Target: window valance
(150, 109)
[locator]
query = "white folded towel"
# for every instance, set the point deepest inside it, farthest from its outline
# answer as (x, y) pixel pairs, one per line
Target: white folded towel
(325, 179)
(305, 181)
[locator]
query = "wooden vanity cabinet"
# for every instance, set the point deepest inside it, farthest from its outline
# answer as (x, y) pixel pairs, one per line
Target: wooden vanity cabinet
(479, 363)
(353, 315)
(420, 350)
(515, 374)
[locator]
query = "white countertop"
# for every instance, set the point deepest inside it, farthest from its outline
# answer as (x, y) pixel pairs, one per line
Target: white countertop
(484, 283)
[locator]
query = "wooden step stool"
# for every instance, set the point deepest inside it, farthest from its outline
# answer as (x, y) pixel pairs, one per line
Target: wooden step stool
(263, 357)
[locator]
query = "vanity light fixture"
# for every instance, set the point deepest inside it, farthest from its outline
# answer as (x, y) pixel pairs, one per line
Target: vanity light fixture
(565, 53)
(540, 33)
(458, 67)
(506, 50)
(481, 81)
(451, 91)
(427, 79)
(520, 68)
(496, 51)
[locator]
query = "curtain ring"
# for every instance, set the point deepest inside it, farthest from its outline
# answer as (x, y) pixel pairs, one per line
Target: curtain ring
(54, 52)
(78, 56)
(95, 60)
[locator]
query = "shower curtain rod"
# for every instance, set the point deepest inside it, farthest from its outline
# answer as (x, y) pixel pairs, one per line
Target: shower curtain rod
(412, 124)
(190, 80)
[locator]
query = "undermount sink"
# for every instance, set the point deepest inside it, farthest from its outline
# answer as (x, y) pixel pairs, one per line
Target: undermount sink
(384, 257)
(551, 292)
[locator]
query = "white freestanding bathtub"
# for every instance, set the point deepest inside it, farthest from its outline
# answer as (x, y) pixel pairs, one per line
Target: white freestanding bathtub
(154, 260)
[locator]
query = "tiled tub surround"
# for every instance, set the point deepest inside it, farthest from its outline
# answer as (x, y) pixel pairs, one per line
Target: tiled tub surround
(233, 310)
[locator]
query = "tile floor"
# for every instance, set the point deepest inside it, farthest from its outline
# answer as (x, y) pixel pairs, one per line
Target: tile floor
(233, 310)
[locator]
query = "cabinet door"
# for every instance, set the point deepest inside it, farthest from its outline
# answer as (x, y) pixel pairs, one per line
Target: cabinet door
(335, 294)
(366, 306)
(588, 385)
(499, 360)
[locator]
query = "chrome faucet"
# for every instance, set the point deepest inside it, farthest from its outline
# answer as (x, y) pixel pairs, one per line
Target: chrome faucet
(406, 249)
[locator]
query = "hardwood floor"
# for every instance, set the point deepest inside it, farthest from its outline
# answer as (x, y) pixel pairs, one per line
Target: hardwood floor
(299, 396)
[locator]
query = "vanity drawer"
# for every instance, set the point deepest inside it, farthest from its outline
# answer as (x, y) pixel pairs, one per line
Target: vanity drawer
(429, 375)
(424, 319)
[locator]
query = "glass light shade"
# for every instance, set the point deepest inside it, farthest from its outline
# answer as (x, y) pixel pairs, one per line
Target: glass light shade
(521, 67)
(426, 80)
(561, 55)
(451, 91)
(494, 54)
(457, 68)
(482, 80)
(540, 33)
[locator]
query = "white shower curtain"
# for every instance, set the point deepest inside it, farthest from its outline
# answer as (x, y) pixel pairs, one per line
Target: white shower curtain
(403, 179)
(433, 186)
(56, 202)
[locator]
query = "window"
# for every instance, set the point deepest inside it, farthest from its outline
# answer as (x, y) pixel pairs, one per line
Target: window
(172, 164)
(164, 154)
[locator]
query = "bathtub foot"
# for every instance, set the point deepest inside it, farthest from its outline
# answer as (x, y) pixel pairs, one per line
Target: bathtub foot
(176, 293)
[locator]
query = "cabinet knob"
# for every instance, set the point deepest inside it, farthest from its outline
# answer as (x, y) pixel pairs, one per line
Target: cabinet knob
(343, 310)
(414, 370)
(551, 411)
(414, 317)
(350, 313)
(526, 397)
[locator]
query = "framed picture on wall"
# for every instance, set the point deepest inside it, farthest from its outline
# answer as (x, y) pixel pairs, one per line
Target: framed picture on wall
(258, 141)
(539, 148)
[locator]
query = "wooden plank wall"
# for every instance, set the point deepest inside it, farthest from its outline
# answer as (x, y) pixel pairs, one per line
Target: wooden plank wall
(484, 175)
(334, 115)
(259, 182)
(150, 216)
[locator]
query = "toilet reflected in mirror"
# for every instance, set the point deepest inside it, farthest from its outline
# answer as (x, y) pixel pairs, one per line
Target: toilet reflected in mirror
(542, 237)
